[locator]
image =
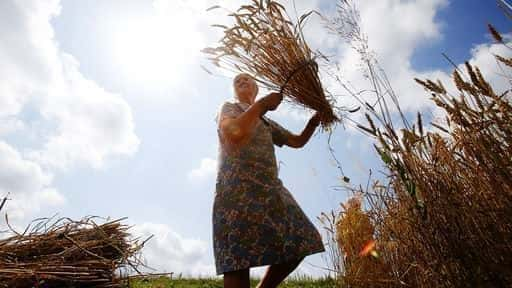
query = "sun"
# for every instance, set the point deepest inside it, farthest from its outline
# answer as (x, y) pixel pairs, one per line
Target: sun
(156, 49)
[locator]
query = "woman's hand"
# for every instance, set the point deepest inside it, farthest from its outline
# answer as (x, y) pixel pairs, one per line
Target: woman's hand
(271, 101)
(237, 130)
(315, 120)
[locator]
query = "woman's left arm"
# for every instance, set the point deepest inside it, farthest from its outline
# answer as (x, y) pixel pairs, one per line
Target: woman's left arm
(298, 141)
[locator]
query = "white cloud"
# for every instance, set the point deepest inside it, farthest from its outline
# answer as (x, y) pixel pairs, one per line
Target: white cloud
(92, 123)
(206, 169)
(85, 124)
(168, 251)
(483, 56)
(29, 186)
(9, 125)
(395, 29)
(65, 118)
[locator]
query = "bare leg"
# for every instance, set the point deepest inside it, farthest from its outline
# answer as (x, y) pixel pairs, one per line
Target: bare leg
(237, 279)
(277, 273)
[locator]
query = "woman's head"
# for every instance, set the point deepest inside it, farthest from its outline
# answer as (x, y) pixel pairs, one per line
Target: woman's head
(245, 88)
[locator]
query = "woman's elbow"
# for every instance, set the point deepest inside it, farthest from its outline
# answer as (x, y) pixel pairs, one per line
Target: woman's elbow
(295, 141)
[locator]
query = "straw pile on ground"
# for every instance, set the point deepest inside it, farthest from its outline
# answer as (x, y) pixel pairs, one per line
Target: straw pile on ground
(266, 44)
(67, 253)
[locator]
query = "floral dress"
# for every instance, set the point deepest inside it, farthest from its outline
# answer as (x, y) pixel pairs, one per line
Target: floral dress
(256, 220)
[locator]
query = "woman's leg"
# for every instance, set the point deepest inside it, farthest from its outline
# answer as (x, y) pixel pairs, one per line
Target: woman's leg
(277, 273)
(237, 279)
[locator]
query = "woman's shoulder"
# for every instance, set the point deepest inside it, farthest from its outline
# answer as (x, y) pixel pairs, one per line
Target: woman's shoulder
(227, 108)
(226, 104)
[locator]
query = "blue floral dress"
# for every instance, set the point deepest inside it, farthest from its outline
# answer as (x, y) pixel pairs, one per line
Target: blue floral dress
(256, 220)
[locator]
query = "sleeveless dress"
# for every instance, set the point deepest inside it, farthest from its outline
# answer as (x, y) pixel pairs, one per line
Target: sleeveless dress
(256, 220)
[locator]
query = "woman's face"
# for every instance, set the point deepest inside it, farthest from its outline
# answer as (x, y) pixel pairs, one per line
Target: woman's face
(245, 88)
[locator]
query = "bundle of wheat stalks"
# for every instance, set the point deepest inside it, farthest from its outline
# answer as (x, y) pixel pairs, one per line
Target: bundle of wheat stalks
(66, 252)
(265, 43)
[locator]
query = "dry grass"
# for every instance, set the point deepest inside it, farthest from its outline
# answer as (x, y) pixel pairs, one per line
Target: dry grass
(355, 237)
(64, 252)
(449, 207)
(265, 43)
(444, 218)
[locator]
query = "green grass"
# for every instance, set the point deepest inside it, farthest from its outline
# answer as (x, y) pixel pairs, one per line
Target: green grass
(166, 282)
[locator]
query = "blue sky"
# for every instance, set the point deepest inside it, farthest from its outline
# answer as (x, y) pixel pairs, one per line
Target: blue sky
(107, 111)
(463, 24)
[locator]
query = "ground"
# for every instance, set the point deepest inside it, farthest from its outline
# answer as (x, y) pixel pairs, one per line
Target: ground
(166, 282)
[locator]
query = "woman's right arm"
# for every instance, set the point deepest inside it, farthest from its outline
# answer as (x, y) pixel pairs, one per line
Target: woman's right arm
(236, 130)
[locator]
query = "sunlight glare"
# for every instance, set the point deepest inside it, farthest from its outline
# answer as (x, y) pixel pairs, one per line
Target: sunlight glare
(156, 50)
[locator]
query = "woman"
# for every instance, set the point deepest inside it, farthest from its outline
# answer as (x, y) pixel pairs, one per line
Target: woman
(256, 221)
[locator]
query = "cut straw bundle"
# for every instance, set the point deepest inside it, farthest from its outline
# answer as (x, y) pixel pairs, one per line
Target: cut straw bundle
(66, 252)
(265, 43)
